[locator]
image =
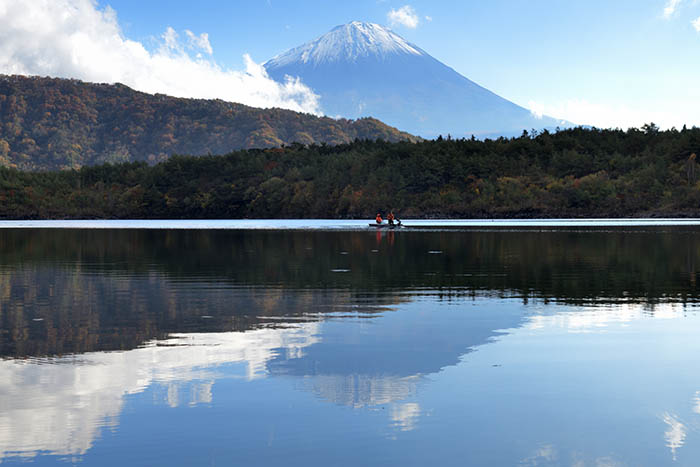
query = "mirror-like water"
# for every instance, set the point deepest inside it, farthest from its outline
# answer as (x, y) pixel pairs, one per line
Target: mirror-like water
(255, 347)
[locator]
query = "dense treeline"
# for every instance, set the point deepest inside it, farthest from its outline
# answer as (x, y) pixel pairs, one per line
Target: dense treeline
(576, 172)
(50, 123)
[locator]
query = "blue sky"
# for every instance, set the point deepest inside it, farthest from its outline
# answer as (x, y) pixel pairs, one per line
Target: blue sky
(607, 63)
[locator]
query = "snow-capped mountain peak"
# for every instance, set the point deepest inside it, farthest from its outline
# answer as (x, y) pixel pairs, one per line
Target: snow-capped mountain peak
(348, 43)
(363, 69)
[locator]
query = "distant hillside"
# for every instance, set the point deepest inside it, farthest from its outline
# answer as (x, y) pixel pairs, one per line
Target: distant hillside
(48, 123)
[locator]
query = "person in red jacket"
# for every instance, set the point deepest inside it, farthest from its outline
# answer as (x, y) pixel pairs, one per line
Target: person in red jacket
(379, 218)
(390, 218)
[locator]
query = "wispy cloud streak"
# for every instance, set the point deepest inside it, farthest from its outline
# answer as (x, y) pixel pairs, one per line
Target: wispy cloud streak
(671, 7)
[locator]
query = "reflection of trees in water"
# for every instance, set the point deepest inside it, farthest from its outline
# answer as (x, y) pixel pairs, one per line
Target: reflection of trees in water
(550, 264)
(49, 311)
(98, 290)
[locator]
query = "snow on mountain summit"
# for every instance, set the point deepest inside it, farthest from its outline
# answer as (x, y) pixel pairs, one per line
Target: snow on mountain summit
(348, 43)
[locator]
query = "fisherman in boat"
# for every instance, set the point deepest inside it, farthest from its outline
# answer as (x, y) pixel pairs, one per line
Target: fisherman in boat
(379, 218)
(390, 217)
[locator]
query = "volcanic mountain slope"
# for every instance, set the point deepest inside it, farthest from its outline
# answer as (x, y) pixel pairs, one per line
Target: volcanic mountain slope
(48, 123)
(363, 69)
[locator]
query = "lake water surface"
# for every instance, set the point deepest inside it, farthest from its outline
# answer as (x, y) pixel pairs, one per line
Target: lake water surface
(556, 344)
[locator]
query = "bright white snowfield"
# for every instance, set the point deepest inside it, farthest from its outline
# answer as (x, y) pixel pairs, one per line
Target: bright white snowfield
(348, 42)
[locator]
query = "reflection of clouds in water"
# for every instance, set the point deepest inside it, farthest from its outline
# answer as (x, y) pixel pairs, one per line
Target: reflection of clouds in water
(599, 318)
(60, 405)
(179, 393)
(366, 391)
(606, 462)
(675, 434)
(544, 455)
(548, 455)
(405, 416)
(588, 320)
(361, 390)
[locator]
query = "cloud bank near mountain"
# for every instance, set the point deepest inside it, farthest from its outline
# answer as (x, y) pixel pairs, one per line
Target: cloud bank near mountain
(76, 39)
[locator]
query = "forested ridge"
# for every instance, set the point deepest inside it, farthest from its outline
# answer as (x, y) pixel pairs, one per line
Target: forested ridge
(572, 173)
(51, 123)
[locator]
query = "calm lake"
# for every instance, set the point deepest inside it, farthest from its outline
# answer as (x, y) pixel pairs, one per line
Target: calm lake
(273, 344)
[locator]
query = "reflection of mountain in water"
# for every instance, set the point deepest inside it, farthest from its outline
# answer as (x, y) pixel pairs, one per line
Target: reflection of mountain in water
(369, 338)
(60, 404)
(383, 360)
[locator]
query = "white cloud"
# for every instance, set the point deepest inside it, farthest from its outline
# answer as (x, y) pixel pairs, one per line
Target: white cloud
(666, 114)
(171, 39)
(75, 39)
(199, 42)
(536, 109)
(696, 24)
(404, 16)
(671, 7)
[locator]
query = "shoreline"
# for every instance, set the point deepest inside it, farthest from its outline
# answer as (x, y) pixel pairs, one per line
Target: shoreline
(347, 225)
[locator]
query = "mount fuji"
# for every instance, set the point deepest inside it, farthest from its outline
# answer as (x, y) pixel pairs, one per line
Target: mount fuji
(364, 69)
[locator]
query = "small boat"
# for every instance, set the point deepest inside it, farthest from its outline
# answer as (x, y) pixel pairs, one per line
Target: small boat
(385, 226)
